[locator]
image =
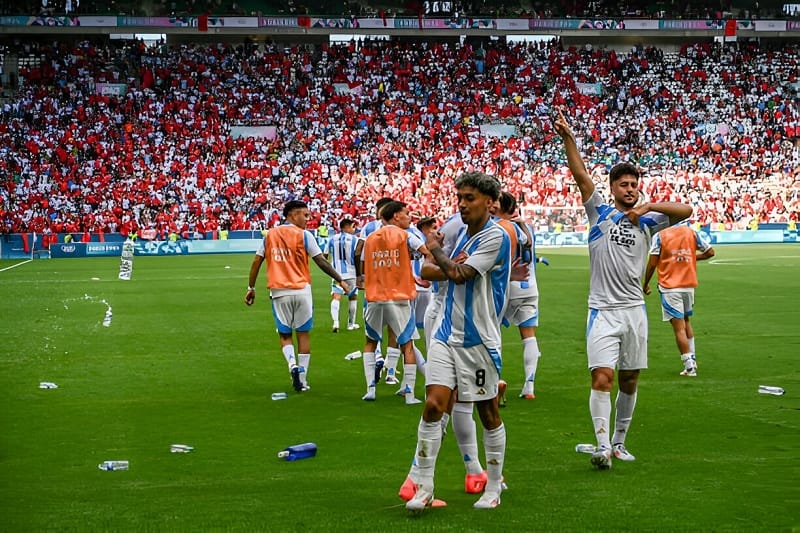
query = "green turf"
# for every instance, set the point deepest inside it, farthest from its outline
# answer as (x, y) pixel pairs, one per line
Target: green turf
(185, 361)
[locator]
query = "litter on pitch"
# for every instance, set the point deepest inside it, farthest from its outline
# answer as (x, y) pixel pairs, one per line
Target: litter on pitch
(47, 385)
(585, 448)
(353, 355)
(181, 448)
(111, 466)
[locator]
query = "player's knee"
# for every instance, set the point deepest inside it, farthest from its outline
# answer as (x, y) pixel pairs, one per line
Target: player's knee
(602, 378)
(436, 402)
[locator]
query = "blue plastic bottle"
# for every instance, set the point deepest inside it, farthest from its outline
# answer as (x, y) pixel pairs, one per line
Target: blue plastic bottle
(298, 451)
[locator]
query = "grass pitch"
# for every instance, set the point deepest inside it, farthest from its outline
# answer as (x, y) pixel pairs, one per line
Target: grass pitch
(185, 361)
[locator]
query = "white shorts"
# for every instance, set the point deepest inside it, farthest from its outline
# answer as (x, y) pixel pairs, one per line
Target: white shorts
(351, 282)
(474, 370)
(293, 312)
(677, 304)
(523, 311)
(617, 338)
(395, 315)
(420, 306)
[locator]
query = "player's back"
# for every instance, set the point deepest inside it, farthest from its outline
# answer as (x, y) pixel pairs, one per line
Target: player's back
(342, 247)
(287, 258)
(387, 266)
(677, 265)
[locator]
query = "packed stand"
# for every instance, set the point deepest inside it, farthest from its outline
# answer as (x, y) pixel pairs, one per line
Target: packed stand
(360, 121)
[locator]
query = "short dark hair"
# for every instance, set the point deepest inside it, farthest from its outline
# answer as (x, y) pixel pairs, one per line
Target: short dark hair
(622, 169)
(486, 184)
(508, 204)
(292, 205)
(425, 222)
(390, 209)
(382, 202)
(346, 222)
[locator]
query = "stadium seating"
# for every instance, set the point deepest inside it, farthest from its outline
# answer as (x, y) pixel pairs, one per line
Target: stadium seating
(340, 126)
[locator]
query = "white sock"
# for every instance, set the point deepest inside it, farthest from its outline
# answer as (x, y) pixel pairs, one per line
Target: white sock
(625, 405)
(304, 360)
(691, 345)
(392, 357)
(494, 443)
(351, 312)
(335, 312)
(420, 359)
(410, 379)
(444, 421)
(369, 368)
(429, 439)
(530, 360)
(288, 354)
(466, 437)
(600, 409)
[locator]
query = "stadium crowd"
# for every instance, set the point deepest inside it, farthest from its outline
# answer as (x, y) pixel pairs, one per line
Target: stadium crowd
(343, 125)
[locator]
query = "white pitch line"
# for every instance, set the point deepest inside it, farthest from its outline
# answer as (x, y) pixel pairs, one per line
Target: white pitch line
(16, 265)
(722, 262)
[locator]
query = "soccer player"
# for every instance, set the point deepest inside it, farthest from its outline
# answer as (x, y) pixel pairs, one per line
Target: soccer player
(465, 347)
(390, 289)
(616, 330)
(342, 250)
(523, 298)
(392, 350)
(461, 413)
(418, 304)
(674, 254)
(286, 250)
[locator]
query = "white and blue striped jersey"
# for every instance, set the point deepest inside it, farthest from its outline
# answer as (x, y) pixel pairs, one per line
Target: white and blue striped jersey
(342, 250)
(618, 254)
(417, 259)
(529, 287)
(471, 311)
(369, 227)
(450, 229)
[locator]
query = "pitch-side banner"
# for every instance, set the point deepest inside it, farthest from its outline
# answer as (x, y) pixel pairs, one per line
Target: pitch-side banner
(641, 24)
(511, 24)
(770, 25)
(98, 22)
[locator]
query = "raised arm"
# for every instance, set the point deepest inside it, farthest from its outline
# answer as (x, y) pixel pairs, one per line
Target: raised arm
(574, 160)
(674, 210)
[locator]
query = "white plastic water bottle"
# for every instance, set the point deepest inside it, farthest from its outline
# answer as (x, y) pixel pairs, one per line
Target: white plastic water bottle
(585, 448)
(279, 395)
(127, 249)
(107, 318)
(113, 465)
(766, 389)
